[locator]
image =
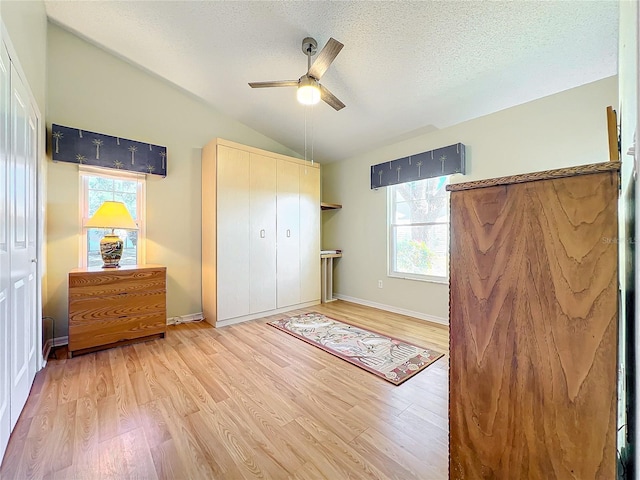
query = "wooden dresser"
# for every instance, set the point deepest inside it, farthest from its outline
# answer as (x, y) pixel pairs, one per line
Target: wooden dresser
(534, 326)
(111, 307)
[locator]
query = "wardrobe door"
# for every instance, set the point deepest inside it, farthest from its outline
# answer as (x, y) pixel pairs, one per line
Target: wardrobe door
(309, 233)
(288, 239)
(262, 233)
(233, 235)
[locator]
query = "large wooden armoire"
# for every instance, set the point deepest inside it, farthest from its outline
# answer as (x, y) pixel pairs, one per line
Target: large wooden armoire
(533, 325)
(260, 232)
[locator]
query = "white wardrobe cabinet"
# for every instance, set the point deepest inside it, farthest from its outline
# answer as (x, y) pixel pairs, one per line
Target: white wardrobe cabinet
(260, 233)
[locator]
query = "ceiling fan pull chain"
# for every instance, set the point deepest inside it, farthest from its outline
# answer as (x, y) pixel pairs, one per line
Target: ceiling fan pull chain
(305, 135)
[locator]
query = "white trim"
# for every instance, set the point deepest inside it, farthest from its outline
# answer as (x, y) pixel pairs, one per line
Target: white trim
(390, 308)
(115, 173)
(59, 341)
(419, 278)
(253, 316)
(46, 350)
(191, 317)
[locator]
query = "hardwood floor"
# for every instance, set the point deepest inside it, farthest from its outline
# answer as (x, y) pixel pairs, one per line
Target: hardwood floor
(238, 402)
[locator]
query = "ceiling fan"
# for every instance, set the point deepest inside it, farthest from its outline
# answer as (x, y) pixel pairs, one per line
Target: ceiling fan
(309, 89)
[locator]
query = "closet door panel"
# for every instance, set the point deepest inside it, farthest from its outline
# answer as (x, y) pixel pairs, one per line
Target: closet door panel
(5, 267)
(288, 237)
(22, 246)
(263, 182)
(233, 233)
(309, 234)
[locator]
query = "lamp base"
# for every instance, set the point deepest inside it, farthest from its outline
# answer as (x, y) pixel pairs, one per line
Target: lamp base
(111, 246)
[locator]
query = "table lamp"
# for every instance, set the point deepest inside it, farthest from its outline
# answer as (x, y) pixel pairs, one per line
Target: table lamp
(111, 215)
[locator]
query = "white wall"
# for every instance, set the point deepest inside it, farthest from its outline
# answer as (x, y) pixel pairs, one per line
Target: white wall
(561, 130)
(91, 89)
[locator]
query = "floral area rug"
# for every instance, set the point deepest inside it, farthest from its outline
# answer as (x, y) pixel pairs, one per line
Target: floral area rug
(389, 358)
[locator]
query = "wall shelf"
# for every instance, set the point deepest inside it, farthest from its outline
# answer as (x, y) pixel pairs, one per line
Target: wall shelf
(329, 206)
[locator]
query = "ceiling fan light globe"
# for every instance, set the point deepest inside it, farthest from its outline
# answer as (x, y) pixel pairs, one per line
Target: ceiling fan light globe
(308, 95)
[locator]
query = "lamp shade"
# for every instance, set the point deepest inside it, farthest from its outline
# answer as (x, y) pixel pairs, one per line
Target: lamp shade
(308, 91)
(112, 215)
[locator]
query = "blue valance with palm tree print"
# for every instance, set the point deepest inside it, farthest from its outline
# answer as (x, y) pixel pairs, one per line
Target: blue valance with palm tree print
(434, 163)
(89, 148)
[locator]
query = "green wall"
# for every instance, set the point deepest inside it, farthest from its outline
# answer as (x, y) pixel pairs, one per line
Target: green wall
(561, 130)
(91, 89)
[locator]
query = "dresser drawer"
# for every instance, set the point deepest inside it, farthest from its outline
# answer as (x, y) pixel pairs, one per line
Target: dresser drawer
(95, 309)
(115, 282)
(92, 333)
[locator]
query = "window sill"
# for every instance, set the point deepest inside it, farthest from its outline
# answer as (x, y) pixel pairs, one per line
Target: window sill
(421, 278)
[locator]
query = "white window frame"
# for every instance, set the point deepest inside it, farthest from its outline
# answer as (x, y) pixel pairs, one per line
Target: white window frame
(391, 247)
(86, 172)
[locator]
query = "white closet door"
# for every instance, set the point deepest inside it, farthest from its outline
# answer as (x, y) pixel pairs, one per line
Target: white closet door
(22, 246)
(309, 233)
(288, 239)
(263, 233)
(233, 233)
(5, 267)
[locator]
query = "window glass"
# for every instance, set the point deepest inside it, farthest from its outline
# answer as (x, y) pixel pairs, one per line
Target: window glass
(96, 189)
(419, 229)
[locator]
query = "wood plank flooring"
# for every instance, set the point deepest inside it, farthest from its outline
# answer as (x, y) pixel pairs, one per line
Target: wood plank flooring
(239, 402)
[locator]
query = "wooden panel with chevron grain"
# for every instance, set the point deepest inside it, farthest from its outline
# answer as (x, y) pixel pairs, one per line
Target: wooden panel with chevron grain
(533, 330)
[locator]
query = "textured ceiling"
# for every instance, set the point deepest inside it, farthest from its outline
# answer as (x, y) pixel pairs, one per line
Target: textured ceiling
(406, 68)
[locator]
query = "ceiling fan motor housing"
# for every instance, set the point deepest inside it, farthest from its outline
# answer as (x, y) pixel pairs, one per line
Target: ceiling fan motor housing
(309, 46)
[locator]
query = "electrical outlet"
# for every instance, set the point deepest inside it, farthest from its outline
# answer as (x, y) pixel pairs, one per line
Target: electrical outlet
(379, 283)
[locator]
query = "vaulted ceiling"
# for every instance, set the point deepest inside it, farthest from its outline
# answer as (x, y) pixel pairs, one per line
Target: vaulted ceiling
(406, 67)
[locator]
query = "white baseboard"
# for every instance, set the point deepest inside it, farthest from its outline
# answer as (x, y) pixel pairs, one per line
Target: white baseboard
(253, 316)
(389, 308)
(46, 350)
(59, 341)
(191, 317)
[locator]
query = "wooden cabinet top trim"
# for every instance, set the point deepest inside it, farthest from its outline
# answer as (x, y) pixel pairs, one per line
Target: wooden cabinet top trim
(544, 175)
(259, 151)
(122, 268)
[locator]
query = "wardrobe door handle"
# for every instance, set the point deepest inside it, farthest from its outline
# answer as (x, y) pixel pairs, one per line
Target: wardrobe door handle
(262, 233)
(288, 232)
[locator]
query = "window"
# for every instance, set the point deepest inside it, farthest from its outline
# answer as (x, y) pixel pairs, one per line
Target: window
(96, 187)
(419, 230)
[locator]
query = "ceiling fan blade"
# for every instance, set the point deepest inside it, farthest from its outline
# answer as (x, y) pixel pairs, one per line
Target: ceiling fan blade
(330, 98)
(325, 58)
(277, 83)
